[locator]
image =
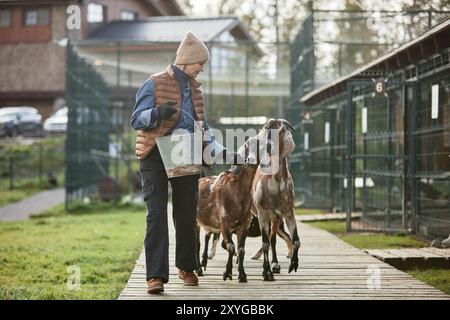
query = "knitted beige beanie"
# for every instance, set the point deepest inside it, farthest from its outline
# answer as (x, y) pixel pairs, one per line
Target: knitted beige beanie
(191, 50)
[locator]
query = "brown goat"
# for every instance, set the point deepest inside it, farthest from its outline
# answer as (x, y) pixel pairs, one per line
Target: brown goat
(253, 232)
(205, 208)
(273, 194)
(224, 206)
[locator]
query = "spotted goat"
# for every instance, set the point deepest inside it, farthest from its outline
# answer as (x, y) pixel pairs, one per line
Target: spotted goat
(272, 194)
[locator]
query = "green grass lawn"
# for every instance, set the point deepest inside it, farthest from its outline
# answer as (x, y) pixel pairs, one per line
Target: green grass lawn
(305, 211)
(103, 242)
(436, 277)
(370, 240)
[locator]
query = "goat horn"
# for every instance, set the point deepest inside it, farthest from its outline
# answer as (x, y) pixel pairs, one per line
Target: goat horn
(288, 124)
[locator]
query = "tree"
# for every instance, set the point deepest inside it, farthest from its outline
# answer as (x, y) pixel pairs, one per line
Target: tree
(186, 5)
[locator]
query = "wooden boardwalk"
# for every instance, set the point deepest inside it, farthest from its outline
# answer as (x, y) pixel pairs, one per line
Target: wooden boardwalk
(420, 257)
(329, 268)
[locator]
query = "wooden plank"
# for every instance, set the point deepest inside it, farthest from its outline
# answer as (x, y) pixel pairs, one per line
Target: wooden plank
(440, 252)
(382, 254)
(423, 253)
(404, 254)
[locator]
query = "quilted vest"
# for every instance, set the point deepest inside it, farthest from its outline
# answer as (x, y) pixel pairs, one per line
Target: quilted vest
(166, 89)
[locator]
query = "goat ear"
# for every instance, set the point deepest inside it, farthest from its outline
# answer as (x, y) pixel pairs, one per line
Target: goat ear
(268, 143)
(269, 149)
(258, 152)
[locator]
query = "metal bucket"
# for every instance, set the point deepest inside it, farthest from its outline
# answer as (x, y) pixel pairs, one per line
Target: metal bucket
(181, 153)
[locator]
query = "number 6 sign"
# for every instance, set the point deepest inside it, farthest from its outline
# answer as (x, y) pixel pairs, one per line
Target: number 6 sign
(379, 87)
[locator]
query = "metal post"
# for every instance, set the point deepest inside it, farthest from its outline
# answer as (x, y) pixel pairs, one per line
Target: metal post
(130, 142)
(389, 186)
(233, 100)
(313, 56)
(332, 161)
(349, 156)
(40, 167)
(406, 135)
(429, 19)
(66, 202)
(412, 161)
(116, 162)
(364, 167)
(340, 59)
(11, 173)
(247, 72)
(278, 75)
(210, 75)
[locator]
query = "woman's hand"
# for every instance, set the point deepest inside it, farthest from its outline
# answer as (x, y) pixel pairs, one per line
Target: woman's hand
(166, 110)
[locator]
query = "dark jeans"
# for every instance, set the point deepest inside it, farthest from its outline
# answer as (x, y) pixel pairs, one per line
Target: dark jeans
(184, 202)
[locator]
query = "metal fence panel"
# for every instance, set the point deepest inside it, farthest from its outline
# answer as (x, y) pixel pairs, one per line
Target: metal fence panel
(432, 156)
(88, 128)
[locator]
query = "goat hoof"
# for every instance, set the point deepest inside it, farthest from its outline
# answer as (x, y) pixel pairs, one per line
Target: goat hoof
(288, 256)
(211, 256)
(242, 277)
(200, 272)
(227, 275)
(268, 276)
(294, 265)
(204, 263)
(276, 267)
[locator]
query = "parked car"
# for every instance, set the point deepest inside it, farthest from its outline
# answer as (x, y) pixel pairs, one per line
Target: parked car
(57, 122)
(20, 121)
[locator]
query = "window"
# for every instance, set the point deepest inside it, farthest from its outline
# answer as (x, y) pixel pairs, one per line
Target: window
(128, 15)
(96, 13)
(5, 18)
(34, 17)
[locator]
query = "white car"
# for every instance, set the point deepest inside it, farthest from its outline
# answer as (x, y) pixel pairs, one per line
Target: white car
(57, 122)
(22, 120)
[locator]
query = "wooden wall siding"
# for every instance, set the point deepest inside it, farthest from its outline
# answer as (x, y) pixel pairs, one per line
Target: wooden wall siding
(18, 32)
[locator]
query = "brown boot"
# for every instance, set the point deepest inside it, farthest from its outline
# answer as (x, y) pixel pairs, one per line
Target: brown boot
(189, 278)
(155, 286)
